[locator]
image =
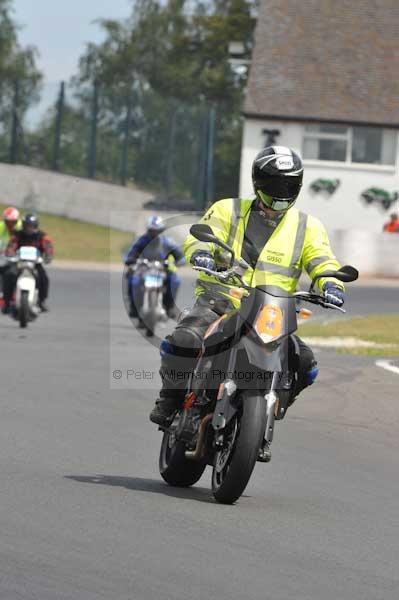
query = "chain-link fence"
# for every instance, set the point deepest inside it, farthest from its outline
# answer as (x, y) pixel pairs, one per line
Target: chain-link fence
(129, 138)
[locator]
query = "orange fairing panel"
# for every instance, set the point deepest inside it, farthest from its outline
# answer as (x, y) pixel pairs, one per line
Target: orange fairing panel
(214, 326)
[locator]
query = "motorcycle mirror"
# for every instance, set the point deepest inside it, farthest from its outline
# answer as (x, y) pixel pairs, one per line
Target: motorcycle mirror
(204, 233)
(346, 274)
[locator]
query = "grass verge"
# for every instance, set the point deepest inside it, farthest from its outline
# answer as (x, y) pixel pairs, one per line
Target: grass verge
(380, 329)
(76, 240)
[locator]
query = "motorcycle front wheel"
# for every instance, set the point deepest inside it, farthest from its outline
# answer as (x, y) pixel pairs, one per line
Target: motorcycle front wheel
(151, 319)
(24, 309)
(234, 463)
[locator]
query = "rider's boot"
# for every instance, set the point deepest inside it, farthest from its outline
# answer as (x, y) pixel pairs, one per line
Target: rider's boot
(6, 308)
(164, 409)
(43, 306)
(265, 454)
(173, 312)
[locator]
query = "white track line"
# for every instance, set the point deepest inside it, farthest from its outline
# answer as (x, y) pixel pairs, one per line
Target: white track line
(388, 366)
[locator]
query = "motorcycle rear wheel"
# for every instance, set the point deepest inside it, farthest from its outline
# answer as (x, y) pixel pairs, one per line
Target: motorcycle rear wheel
(174, 467)
(234, 463)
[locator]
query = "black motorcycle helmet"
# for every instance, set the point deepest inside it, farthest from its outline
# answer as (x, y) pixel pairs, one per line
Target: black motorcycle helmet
(30, 224)
(277, 173)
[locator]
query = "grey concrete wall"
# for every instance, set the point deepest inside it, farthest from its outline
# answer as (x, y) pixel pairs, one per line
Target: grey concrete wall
(69, 196)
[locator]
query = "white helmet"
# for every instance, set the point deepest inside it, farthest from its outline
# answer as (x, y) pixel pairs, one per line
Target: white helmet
(155, 225)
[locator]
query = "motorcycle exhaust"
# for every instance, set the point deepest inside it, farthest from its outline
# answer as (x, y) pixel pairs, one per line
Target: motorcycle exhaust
(198, 452)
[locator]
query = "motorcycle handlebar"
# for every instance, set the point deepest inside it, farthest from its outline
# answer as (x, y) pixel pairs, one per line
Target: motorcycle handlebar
(316, 299)
(306, 296)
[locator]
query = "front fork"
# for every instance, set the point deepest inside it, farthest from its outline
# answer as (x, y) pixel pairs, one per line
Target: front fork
(224, 410)
(271, 400)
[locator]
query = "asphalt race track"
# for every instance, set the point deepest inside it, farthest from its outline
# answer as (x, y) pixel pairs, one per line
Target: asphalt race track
(84, 514)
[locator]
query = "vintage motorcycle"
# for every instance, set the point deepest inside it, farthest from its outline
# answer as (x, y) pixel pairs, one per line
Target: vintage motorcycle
(227, 418)
(153, 280)
(3, 264)
(26, 307)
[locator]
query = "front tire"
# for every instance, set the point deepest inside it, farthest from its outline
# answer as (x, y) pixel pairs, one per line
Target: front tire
(24, 309)
(151, 319)
(174, 467)
(235, 462)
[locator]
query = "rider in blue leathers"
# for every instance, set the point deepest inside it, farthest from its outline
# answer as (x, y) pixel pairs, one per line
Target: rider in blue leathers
(155, 246)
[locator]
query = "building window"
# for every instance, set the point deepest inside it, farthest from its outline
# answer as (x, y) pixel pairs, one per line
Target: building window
(371, 145)
(326, 142)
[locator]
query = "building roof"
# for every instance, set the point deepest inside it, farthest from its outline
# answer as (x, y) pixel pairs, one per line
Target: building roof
(331, 60)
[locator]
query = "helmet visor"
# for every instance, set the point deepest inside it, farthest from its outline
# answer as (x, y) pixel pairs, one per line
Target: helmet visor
(286, 188)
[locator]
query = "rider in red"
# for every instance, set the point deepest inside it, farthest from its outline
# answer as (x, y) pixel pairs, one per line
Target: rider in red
(30, 235)
(392, 226)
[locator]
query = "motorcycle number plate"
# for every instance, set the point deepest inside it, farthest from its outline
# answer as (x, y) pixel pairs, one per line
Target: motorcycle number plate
(153, 280)
(28, 253)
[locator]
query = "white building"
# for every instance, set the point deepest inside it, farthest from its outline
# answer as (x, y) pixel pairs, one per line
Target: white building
(325, 80)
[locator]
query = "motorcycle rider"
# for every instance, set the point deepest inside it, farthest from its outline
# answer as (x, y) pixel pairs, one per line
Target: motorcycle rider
(11, 222)
(30, 235)
(277, 241)
(155, 246)
(392, 226)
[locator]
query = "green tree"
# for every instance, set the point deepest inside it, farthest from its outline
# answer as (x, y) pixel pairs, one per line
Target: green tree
(170, 62)
(17, 64)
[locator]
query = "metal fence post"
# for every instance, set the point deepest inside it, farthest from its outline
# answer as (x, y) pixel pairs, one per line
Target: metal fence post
(171, 153)
(211, 130)
(207, 157)
(14, 126)
(92, 158)
(58, 125)
(125, 147)
(202, 161)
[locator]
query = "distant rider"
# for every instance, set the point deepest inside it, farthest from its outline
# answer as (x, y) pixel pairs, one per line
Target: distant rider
(30, 235)
(10, 223)
(153, 245)
(392, 226)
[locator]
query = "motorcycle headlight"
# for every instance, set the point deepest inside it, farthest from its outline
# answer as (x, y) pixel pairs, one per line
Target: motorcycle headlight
(269, 323)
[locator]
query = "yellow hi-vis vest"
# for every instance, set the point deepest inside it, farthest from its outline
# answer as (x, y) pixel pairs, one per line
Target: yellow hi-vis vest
(5, 235)
(299, 241)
